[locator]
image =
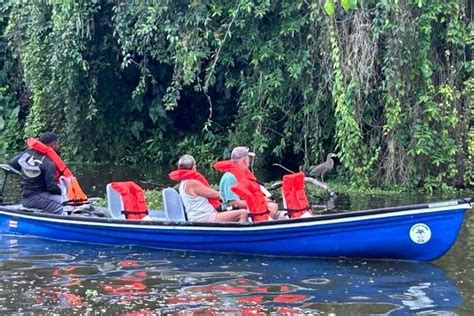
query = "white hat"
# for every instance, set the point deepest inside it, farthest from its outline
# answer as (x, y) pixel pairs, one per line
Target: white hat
(240, 152)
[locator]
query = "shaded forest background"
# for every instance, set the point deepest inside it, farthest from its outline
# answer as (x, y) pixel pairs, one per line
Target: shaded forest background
(387, 84)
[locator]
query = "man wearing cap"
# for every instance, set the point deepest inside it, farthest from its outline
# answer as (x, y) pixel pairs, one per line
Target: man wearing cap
(198, 197)
(39, 188)
(241, 157)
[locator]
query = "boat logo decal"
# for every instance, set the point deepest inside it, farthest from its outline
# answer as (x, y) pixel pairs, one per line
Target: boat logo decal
(12, 223)
(420, 233)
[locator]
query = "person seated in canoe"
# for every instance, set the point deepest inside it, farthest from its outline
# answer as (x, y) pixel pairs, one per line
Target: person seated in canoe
(47, 184)
(237, 169)
(199, 199)
(39, 187)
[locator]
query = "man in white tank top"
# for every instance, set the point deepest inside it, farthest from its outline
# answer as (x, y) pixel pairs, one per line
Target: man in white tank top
(195, 195)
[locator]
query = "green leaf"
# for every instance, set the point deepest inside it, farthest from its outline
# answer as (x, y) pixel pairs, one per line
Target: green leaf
(354, 4)
(349, 4)
(136, 128)
(346, 5)
(329, 8)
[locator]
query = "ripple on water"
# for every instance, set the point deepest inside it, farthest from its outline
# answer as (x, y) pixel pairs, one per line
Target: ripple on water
(317, 281)
(48, 257)
(353, 308)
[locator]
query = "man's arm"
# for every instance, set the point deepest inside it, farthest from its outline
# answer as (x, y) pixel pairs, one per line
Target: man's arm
(49, 172)
(236, 204)
(200, 189)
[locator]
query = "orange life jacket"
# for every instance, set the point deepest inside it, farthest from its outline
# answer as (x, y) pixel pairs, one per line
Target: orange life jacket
(294, 194)
(247, 188)
(74, 194)
(256, 201)
(238, 172)
(133, 197)
(61, 168)
(185, 174)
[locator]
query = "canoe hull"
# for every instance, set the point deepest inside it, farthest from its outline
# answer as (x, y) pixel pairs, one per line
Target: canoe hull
(409, 234)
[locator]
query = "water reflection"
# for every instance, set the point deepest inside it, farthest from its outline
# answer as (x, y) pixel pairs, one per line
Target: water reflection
(41, 276)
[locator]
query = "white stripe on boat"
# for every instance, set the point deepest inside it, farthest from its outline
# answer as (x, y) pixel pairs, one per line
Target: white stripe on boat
(244, 227)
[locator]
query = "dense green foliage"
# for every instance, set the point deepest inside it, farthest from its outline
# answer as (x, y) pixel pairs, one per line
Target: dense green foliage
(386, 84)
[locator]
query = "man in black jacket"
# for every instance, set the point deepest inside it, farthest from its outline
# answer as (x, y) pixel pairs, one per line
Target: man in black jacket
(39, 188)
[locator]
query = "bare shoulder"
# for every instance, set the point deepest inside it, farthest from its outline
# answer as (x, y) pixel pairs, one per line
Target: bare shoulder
(194, 183)
(192, 186)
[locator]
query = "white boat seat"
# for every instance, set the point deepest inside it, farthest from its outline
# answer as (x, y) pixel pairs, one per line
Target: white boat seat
(63, 185)
(157, 215)
(114, 203)
(173, 205)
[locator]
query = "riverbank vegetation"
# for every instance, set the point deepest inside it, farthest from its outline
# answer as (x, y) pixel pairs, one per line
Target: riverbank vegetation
(387, 85)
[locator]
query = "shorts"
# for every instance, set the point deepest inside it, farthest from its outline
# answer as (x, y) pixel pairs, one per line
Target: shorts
(209, 218)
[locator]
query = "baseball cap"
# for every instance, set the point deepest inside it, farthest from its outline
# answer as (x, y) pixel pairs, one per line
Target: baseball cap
(240, 152)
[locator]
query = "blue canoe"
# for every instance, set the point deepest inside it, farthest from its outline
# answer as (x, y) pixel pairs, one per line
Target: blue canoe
(414, 232)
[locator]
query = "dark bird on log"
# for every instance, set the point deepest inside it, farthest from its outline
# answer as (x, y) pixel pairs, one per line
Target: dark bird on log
(323, 168)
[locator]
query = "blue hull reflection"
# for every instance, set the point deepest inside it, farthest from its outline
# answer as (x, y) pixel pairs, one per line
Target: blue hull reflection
(40, 276)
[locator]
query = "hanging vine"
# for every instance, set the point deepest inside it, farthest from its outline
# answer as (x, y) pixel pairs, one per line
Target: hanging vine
(385, 84)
